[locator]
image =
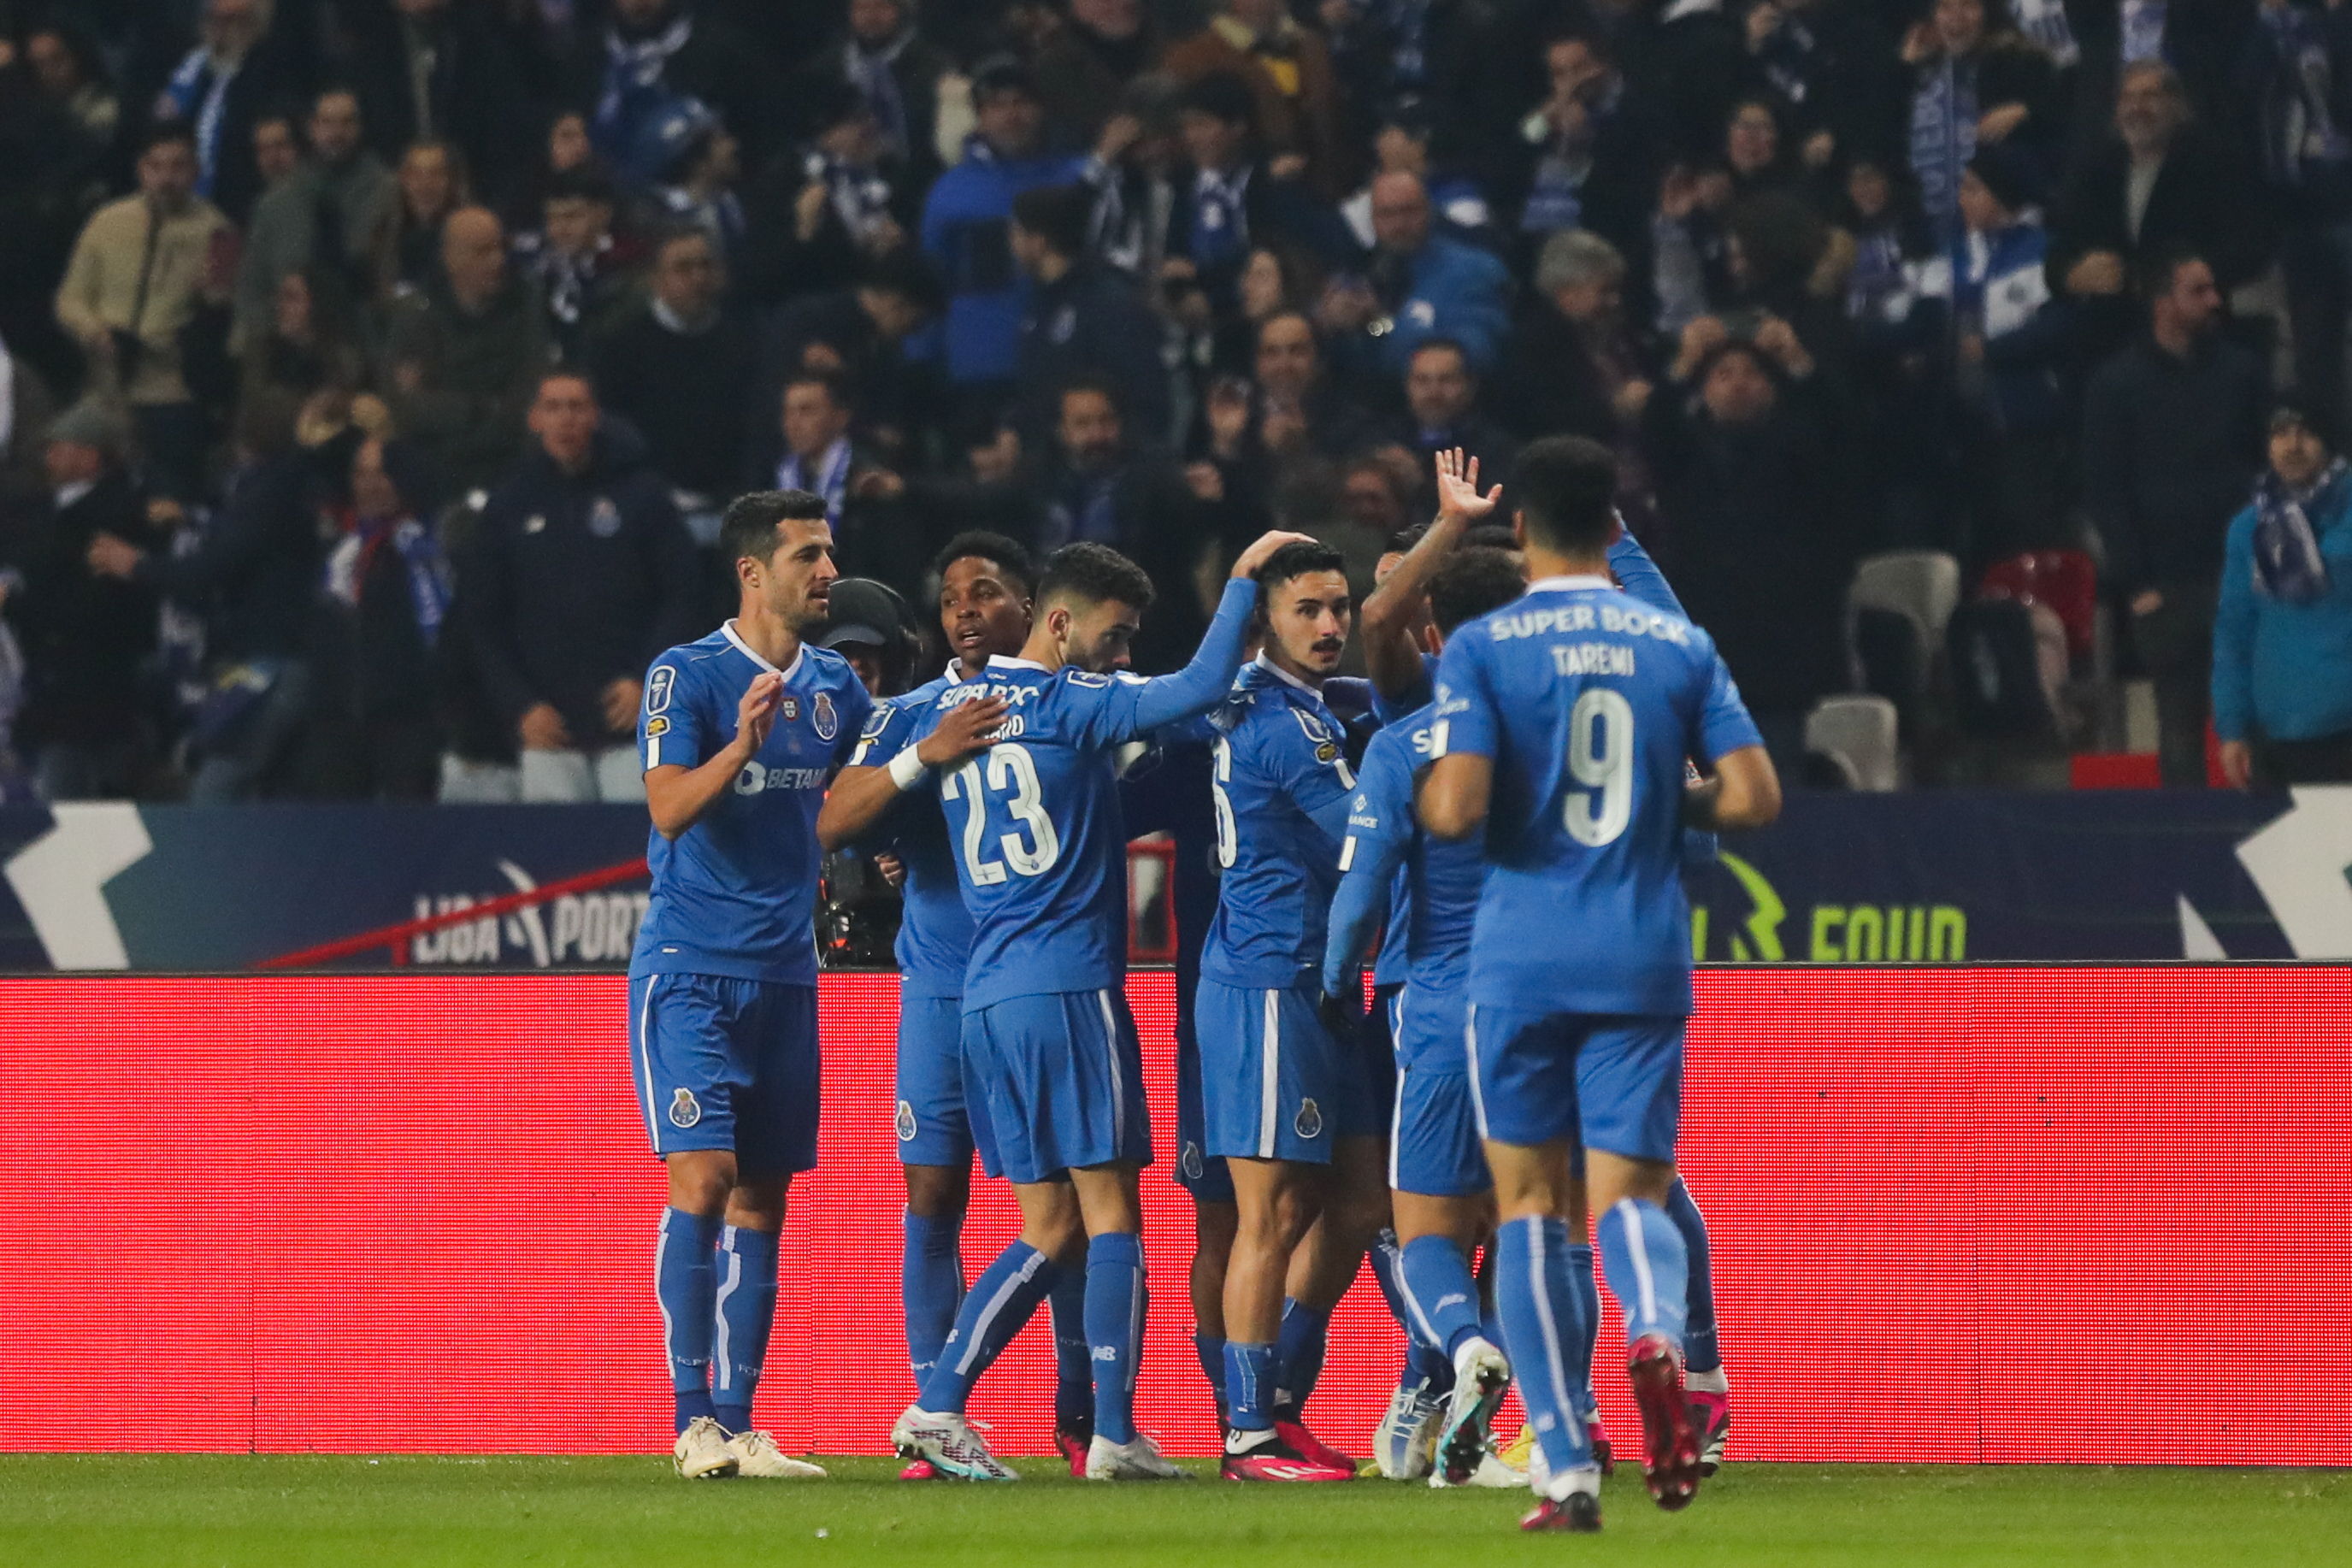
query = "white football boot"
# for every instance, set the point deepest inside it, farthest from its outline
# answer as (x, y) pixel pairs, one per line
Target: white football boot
(702, 1454)
(757, 1456)
(1404, 1445)
(1480, 1375)
(1140, 1460)
(948, 1441)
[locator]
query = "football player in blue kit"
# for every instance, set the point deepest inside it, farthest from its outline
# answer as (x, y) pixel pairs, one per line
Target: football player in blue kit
(739, 735)
(987, 583)
(1041, 858)
(1562, 725)
(1444, 1196)
(1286, 1104)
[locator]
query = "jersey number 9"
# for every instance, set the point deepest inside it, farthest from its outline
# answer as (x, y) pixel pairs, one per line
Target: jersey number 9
(1600, 758)
(1008, 767)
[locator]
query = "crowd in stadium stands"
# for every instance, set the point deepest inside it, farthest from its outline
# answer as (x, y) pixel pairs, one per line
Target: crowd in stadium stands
(375, 370)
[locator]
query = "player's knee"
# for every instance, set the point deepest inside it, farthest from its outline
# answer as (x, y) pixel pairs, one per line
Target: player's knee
(700, 1181)
(938, 1191)
(758, 1203)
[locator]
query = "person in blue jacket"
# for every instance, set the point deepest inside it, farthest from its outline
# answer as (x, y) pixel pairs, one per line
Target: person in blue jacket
(2283, 635)
(1422, 285)
(967, 222)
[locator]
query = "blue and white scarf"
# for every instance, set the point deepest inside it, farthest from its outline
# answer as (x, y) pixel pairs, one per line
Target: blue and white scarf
(831, 482)
(198, 90)
(860, 197)
(1943, 139)
(869, 71)
(422, 565)
(636, 66)
(2288, 565)
(1220, 237)
(2296, 83)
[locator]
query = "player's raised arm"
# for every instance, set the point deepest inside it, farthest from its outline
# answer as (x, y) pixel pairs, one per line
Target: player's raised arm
(1171, 699)
(864, 789)
(1392, 653)
(1453, 796)
(677, 794)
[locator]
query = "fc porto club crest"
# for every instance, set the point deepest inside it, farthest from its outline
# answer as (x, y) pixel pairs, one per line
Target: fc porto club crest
(906, 1122)
(1309, 1124)
(1191, 1163)
(684, 1110)
(828, 719)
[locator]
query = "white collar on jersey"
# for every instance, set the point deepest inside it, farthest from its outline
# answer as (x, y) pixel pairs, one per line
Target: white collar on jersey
(1569, 585)
(1006, 661)
(1285, 676)
(727, 630)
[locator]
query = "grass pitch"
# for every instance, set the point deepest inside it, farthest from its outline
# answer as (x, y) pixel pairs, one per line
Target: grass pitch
(127, 1512)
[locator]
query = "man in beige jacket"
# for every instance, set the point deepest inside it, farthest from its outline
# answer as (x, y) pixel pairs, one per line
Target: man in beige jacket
(143, 269)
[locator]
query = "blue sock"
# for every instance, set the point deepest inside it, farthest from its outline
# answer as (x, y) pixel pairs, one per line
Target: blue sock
(1114, 1314)
(1443, 1296)
(1701, 1353)
(930, 1286)
(1249, 1386)
(1298, 1351)
(1073, 1370)
(1426, 1365)
(684, 1286)
(1642, 1257)
(1000, 1303)
(746, 1310)
(1212, 1352)
(1588, 1297)
(1540, 1317)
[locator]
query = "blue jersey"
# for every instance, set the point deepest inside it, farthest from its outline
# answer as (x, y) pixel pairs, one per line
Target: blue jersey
(1034, 825)
(735, 895)
(1588, 701)
(1385, 849)
(934, 929)
(1281, 787)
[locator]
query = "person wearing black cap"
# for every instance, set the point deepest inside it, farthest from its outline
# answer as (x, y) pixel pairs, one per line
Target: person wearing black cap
(2011, 336)
(868, 624)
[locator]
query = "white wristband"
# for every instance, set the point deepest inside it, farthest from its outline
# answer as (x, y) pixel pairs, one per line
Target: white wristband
(906, 768)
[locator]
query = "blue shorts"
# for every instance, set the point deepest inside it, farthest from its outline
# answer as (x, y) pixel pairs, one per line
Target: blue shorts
(1367, 1067)
(727, 1064)
(938, 1122)
(1271, 1080)
(1435, 1150)
(1062, 1077)
(1610, 1081)
(1204, 1175)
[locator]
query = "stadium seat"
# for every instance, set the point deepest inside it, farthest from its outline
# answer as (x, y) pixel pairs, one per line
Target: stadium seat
(1896, 610)
(1857, 732)
(2065, 580)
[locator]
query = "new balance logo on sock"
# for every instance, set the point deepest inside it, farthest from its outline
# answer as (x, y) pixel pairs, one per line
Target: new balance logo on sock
(1106, 1353)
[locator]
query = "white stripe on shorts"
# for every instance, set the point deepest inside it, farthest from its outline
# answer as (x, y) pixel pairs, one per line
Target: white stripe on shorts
(1269, 1076)
(645, 1060)
(1118, 1085)
(1470, 1044)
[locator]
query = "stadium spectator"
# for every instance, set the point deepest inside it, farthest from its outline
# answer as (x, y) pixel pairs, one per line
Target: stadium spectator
(1287, 69)
(1587, 156)
(84, 723)
(1083, 318)
(820, 455)
(308, 350)
(335, 214)
(446, 72)
(896, 71)
(654, 59)
(1441, 398)
(1298, 407)
(388, 595)
(251, 576)
(2172, 437)
(1418, 285)
(681, 370)
(277, 152)
(1574, 367)
(2283, 635)
(215, 92)
(144, 270)
(2157, 183)
(1747, 453)
(2012, 339)
(1974, 81)
(1226, 199)
(815, 222)
(462, 355)
(1401, 147)
(432, 184)
(585, 271)
(1108, 488)
(69, 70)
(860, 331)
(967, 227)
(581, 574)
(1084, 70)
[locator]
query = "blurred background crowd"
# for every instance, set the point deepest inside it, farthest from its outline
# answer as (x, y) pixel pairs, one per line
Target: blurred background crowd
(376, 371)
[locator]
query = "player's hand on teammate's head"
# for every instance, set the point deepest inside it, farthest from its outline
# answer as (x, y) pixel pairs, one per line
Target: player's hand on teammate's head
(755, 715)
(967, 728)
(1457, 489)
(1257, 554)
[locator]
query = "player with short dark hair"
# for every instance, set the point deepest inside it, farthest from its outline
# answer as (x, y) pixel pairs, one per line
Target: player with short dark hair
(1562, 726)
(737, 734)
(987, 591)
(1285, 1104)
(1047, 1035)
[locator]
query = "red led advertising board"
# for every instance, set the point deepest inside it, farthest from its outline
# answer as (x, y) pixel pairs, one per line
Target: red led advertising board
(1975, 1213)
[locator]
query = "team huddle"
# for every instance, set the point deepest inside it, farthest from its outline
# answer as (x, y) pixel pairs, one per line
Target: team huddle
(1549, 740)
